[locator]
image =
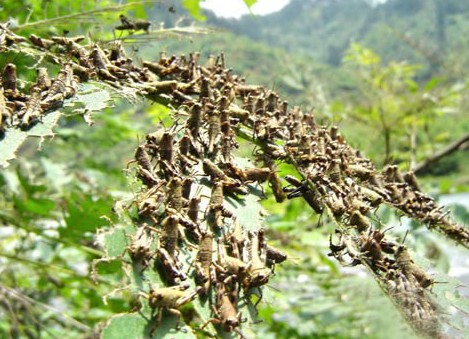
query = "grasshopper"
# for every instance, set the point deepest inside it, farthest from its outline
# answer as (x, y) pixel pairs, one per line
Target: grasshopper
(149, 202)
(42, 78)
(169, 267)
(9, 78)
(147, 177)
(274, 180)
(170, 299)
(257, 174)
(195, 120)
(143, 159)
(203, 262)
(139, 248)
(166, 152)
(303, 189)
(258, 273)
(225, 311)
(100, 63)
(32, 112)
(345, 243)
(409, 268)
(5, 112)
(170, 234)
(228, 264)
(273, 255)
(214, 129)
(216, 173)
(361, 222)
(175, 194)
(215, 207)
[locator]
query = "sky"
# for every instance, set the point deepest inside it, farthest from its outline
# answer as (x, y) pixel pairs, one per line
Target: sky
(237, 8)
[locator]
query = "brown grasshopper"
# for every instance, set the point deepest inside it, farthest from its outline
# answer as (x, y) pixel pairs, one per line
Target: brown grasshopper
(214, 129)
(100, 62)
(170, 299)
(273, 255)
(225, 310)
(232, 265)
(150, 201)
(215, 172)
(345, 243)
(166, 153)
(170, 234)
(274, 180)
(175, 194)
(193, 210)
(258, 273)
(359, 221)
(143, 159)
(168, 267)
(257, 174)
(203, 262)
(147, 177)
(32, 112)
(186, 150)
(195, 120)
(139, 248)
(215, 207)
(5, 113)
(9, 78)
(303, 189)
(41, 42)
(42, 78)
(409, 268)
(133, 25)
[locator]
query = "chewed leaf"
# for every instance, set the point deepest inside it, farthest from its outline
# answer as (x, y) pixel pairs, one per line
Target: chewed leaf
(15, 137)
(89, 98)
(247, 209)
(114, 241)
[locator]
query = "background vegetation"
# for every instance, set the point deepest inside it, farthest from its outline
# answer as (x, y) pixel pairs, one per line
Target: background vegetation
(393, 77)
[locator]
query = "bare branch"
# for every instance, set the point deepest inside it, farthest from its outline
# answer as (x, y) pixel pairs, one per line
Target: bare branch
(440, 154)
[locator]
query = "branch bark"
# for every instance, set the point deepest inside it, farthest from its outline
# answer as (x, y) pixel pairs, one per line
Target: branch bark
(440, 154)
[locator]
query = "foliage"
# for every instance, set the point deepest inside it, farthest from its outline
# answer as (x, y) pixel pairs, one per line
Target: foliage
(396, 106)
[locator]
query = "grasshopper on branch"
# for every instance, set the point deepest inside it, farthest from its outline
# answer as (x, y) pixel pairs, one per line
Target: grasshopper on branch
(405, 263)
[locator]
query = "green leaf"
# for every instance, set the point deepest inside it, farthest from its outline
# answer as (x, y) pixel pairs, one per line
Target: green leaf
(193, 7)
(132, 326)
(39, 206)
(85, 214)
(249, 3)
(108, 267)
(431, 84)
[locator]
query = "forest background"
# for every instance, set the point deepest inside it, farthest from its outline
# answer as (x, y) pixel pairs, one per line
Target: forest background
(392, 76)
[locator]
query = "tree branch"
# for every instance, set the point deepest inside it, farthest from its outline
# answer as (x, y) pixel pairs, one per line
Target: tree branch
(440, 154)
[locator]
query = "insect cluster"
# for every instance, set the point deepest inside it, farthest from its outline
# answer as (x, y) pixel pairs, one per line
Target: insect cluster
(189, 174)
(25, 109)
(188, 171)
